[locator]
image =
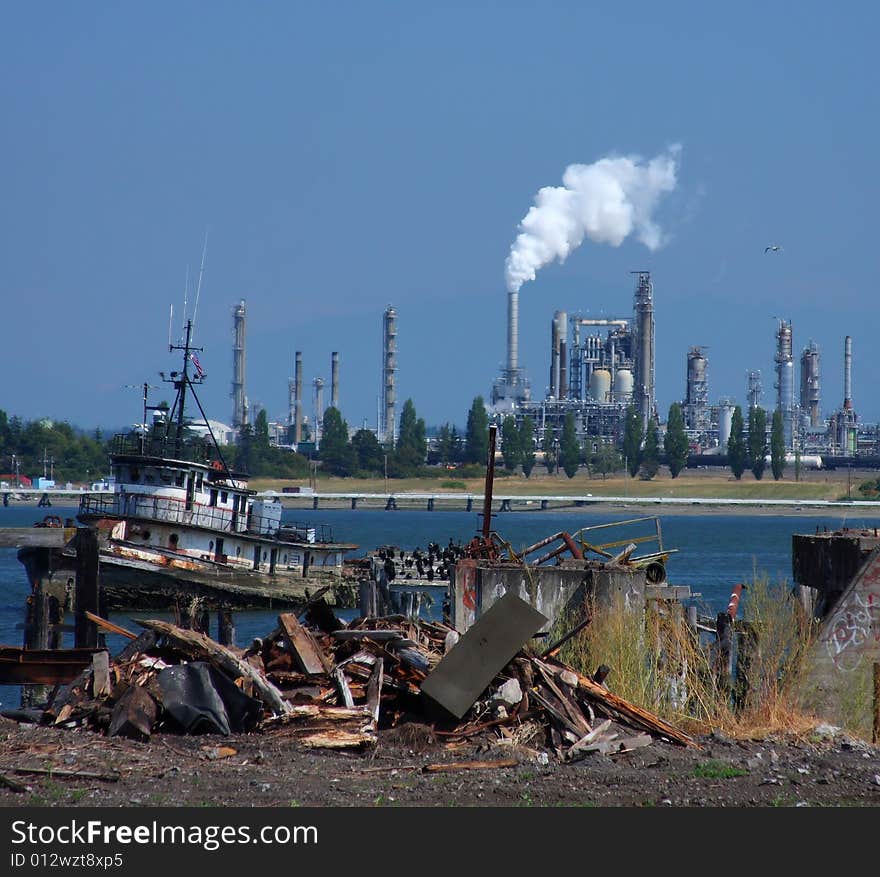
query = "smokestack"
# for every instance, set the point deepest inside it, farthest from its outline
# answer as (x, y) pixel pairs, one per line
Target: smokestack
(319, 408)
(512, 331)
(239, 404)
(643, 394)
(563, 369)
(554, 358)
(389, 368)
(334, 380)
(847, 374)
(298, 397)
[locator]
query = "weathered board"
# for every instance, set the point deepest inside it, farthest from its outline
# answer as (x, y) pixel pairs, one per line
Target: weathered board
(467, 669)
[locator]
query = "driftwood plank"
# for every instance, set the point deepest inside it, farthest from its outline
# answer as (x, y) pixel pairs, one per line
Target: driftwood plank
(571, 709)
(470, 765)
(637, 716)
(71, 774)
(344, 690)
(197, 646)
(109, 626)
(374, 689)
(100, 674)
(302, 645)
(324, 727)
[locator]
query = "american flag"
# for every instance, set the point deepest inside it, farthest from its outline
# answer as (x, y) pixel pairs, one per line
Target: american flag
(195, 361)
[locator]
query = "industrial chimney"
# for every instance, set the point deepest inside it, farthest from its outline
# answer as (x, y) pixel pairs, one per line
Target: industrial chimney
(643, 307)
(847, 374)
(389, 369)
(334, 380)
(298, 398)
(239, 403)
(319, 409)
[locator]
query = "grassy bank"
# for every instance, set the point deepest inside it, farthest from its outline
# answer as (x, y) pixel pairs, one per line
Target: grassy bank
(701, 484)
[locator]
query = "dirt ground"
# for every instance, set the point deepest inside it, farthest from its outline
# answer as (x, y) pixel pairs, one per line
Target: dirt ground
(823, 768)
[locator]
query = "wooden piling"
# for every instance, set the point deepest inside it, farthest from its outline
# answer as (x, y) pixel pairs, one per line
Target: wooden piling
(87, 588)
(225, 627)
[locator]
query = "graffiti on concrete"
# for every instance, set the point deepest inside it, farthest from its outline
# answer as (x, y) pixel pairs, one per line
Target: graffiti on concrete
(854, 629)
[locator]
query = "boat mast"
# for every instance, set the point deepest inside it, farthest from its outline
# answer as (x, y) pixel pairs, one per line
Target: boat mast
(181, 380)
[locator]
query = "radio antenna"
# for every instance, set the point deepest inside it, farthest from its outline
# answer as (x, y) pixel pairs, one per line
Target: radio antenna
(199, 285)
(170, 318)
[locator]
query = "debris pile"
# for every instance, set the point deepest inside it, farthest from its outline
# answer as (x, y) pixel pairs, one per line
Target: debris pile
(325, 684)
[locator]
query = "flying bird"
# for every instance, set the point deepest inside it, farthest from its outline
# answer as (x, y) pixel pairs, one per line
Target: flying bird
(775, 248)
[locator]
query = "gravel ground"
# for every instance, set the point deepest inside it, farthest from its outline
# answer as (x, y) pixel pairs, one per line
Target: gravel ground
(824, 768)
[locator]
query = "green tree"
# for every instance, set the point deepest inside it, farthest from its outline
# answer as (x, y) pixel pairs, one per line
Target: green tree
(527, 445)
(632, 440)
(777, 445)
(476, 443)
(606, 460)
(511, 450)
(569, 449)
(757, 455)
(651, 452)
(444, 444)
(409, 455)
(736, 444)
(368, 452)
(551, 450)
(336, 454)
(675, 443)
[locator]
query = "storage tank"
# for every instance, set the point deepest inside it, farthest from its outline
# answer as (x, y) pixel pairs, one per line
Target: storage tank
(623, 385)
(725, 424)
(600, 384)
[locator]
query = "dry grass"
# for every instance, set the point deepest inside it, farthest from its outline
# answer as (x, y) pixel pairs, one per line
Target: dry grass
(691, 483)
(660, 664)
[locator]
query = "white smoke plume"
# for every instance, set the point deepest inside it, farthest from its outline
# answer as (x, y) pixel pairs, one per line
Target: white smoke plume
(605, 201)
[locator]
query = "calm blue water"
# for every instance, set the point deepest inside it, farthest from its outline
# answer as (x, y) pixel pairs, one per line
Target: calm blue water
(715, 551)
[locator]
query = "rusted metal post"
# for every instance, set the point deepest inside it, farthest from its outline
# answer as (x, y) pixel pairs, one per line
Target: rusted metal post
(87, 589)
(490, 480)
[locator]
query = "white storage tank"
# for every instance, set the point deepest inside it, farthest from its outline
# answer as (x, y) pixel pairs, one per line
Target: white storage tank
(600, 385)
(623, 385)
(725, 424)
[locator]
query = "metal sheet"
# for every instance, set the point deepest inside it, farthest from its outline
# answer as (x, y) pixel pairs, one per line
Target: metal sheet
(497, 635)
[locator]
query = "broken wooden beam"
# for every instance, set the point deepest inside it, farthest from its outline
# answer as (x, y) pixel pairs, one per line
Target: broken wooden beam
(470, 765)
(302, 645)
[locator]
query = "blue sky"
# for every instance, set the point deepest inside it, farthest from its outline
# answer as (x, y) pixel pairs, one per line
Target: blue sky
(348, 156)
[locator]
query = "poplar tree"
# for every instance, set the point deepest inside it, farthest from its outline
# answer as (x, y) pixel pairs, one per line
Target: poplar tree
(757, 442)
(736, 444)
(632, 440)
(527, 445)
(569, 449)
(777, 445)
(675, 444)
(476, 442)
(650, 462)
(511, 451)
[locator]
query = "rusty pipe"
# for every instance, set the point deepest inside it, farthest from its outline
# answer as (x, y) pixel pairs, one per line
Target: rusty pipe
(733, 605)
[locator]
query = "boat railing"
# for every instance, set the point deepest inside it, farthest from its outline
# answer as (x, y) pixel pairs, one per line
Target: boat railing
(193, 449)
(170, 510)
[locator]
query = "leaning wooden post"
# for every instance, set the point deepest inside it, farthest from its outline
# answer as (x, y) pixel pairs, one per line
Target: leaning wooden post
(875, 737)
(87, 588)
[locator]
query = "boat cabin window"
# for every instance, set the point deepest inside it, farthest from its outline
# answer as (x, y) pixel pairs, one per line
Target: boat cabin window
(179, 478)
(238, 551)
(199, 481)
(224, 496)
(135, 474)
(149, 478)
(211, 545)
(173, 539)
(212, 498)
(166, 477)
